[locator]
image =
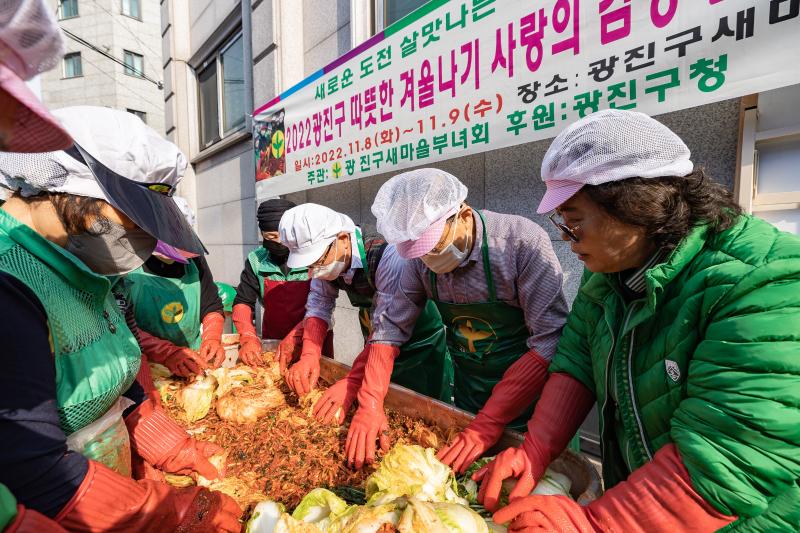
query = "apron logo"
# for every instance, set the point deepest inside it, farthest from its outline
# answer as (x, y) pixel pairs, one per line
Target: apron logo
(172, 313)
(469, 330)
(673, 371)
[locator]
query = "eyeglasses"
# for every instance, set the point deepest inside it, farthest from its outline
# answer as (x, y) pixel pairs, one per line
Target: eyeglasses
(566, 230)
(321, 261)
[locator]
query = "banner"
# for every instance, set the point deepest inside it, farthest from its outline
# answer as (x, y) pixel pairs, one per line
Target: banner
(464, 76)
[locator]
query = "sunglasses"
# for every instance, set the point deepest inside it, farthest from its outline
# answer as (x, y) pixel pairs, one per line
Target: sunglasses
(566, 230)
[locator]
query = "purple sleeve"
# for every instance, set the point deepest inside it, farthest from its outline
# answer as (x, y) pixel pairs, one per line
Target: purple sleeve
(35, 464)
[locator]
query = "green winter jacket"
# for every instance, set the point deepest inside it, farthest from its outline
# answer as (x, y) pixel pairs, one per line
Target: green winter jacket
(709, 359)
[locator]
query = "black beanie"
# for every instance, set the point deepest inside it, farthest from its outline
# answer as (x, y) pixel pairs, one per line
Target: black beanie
(270, 213)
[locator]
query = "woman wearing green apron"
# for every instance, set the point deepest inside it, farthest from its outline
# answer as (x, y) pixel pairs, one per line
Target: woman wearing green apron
(172, 297)
(497, 285)
(340, 259)
(71, 412)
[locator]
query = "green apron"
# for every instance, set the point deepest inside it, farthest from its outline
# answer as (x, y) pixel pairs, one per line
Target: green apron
(484, 339)
(424, 363)
(168, 308)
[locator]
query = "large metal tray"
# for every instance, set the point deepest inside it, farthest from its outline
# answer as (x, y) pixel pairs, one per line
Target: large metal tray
(586, 485)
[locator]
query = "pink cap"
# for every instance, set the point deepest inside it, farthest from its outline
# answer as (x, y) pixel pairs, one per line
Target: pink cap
(170, 252)
(427, 241)
(558, 192)
(34, 128)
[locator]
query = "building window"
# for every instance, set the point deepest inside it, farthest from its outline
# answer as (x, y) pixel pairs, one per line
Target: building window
(141, 114)
(67, 9)
(394, 10)
(132, 8)
(73, 68)
(134, 64)
(769, 154)
(221, 92)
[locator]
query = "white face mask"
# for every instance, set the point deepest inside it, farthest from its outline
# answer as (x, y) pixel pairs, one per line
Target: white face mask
(451, 257)
(329, 272)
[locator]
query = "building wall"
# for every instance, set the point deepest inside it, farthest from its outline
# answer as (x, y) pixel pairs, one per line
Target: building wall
(104, 82)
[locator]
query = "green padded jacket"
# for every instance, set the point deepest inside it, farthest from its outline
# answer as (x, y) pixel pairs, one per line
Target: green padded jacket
(709, 359)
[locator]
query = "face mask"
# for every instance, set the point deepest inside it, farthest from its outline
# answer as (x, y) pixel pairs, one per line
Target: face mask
(117, 251)
(448, 259)
(277, 251)
(329, 272)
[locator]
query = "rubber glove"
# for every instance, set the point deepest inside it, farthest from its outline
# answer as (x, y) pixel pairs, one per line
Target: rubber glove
(211, 349)
(107, 501)
(180, 360)
(520, 386)
(656, 497)
(145, 379)
(30, 521)
(369, 423)
(564, 404)
(303, 375)
(290, 347)
(335, 403)
(165, 445)
(249, 343)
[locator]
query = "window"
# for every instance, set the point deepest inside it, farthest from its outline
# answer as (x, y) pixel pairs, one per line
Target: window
(769, 148)
(141, 114)
(67, 9)
(132, 8)
(394, 10)
(134, 64)
(73, 68)
(220, 84)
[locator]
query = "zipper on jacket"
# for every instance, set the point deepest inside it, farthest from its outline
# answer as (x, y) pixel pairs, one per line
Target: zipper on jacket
(639, 425)
(608, 367)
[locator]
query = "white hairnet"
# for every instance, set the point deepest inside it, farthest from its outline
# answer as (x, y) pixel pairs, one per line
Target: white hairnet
(409, 203)
(614, 145)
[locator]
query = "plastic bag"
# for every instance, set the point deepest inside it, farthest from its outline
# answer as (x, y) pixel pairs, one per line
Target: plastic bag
(106, 440)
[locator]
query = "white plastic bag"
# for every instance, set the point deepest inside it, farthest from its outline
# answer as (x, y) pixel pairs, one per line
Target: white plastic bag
(106, 440)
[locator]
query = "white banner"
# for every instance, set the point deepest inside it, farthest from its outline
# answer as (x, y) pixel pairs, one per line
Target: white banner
(462, 77)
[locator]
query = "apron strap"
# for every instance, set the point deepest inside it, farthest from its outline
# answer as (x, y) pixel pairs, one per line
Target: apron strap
(363, 255)
(487, 268)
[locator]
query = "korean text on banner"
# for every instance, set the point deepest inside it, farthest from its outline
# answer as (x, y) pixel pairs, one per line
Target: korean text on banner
(465, 76)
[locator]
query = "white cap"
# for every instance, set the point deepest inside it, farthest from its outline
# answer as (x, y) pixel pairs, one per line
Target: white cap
(308, 229)
(411, 202)
(606, 146)
(117, 139)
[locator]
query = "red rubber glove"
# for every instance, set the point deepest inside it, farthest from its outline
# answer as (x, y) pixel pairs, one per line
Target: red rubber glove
(369, 423)
(165, 445)
(564, 404)
(179, 360)
(520, 386)
(290, 347)
(341, 395)
(211, 349)
(107, 501)
(303, 375)
(249, 343)
(145, 379)
(656, 497)
(30, 521)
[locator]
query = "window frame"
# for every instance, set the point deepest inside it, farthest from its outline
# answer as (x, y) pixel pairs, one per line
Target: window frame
(122, 9)
(67, 56)
(380, 12)
(61, 10)
(750, 138)
(215, 58)
(141, 73)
